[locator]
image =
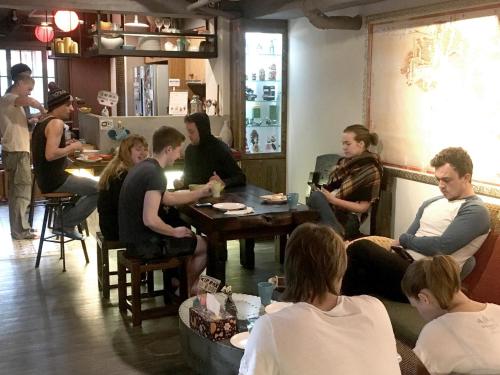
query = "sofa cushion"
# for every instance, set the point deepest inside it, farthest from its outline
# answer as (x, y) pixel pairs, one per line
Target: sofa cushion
(406, 322)
(483, 284)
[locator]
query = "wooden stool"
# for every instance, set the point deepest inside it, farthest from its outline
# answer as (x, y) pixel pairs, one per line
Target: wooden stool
(103, 272)
(132, 302)
(54, 204)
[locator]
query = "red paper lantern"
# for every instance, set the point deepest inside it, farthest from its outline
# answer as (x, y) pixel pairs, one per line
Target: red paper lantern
(44, 33)
(66, 20)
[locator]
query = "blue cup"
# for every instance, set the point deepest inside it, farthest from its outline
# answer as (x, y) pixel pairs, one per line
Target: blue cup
(265, 292)
(293, 200)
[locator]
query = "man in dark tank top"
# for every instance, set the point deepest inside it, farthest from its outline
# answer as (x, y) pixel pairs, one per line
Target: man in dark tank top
(50, 150)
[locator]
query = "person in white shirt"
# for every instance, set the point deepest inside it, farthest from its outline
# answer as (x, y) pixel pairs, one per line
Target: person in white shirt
(462, 336)
(322, 332)
(16, 152)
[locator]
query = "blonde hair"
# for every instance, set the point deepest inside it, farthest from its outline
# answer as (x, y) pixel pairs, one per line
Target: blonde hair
(315, 263)
(122, 161)
(439, 274)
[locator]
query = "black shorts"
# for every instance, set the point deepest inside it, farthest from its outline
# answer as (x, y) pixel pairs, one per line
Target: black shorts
(159, 247)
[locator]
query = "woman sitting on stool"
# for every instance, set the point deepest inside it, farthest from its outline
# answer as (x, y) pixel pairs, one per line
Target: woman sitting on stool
(462, 336)
(353, 185)
(131, 151)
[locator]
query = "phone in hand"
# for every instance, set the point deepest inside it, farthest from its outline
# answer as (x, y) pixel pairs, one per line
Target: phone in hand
(207, 204)
(315, 187)
(402, 253)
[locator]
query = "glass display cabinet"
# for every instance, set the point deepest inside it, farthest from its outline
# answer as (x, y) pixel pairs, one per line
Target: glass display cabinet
(259, 99)
(263, 92)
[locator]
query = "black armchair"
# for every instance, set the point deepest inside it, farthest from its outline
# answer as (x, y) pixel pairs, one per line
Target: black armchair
(322, 169)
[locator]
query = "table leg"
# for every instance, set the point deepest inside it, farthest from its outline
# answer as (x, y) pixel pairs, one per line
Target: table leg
(279, 247)
(247, 254)
(217, 253)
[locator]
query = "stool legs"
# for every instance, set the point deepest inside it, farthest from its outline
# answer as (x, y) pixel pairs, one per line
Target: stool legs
(135, 273)
(53, 209)
(122, 288)
(84, 246)
(42, 235)
(61, 237)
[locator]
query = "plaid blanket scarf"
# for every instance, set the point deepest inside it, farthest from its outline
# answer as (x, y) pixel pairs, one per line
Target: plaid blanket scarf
(354, 173)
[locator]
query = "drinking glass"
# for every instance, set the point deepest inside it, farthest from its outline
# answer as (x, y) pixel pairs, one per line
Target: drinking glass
(159, 23)
(293, 200)
(265, 292)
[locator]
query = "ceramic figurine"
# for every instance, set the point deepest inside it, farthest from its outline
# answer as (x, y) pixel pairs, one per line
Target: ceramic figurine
(229, 305)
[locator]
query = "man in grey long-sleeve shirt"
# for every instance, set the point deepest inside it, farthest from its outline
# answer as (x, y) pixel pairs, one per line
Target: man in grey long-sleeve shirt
(456, 223)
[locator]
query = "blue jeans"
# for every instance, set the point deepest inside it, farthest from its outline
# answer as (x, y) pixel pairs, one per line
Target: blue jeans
(87, 191)
(318, 201)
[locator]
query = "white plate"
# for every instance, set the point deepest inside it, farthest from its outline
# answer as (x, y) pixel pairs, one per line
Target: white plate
(88, 160)
(274, 198)
(90, 151)
(240, 340)
(228, 206)
(277, 306)
(246, 211)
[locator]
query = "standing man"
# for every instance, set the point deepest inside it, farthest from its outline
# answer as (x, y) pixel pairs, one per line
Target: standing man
(208, 158)
(50, 151)
(16, 152)
(144, 194)
(455, 223)
(16, 71)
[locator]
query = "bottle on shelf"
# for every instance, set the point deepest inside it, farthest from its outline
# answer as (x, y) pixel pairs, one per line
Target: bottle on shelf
(195, 105)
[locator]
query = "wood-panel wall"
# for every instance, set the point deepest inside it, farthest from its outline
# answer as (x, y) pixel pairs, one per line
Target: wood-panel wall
(268, 173)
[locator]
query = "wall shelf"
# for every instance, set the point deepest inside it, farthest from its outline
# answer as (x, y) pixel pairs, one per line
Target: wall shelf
(203, 37)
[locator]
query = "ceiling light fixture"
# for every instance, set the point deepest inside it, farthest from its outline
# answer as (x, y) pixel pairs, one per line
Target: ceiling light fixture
(44, 33)
(66, 20)
(136, 23)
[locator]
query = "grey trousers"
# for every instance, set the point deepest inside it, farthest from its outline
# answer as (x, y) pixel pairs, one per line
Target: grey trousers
(318, 201)
(18, 168)
(86, 189)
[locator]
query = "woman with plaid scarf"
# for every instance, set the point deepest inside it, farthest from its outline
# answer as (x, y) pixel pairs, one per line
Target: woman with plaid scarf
(353, 186)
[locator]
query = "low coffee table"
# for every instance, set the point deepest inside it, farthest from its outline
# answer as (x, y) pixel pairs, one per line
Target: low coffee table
(214, 357)
(221, 358)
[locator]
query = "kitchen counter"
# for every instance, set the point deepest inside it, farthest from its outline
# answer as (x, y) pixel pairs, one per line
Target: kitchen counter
(94, 128)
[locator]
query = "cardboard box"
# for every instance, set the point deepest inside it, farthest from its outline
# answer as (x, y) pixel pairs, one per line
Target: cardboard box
(207, 325)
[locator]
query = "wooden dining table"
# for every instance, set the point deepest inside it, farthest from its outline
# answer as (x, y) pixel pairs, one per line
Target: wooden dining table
(266, 221)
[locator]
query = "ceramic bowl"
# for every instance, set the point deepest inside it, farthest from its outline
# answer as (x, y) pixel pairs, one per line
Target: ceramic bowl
(149, 44)
(111, 43)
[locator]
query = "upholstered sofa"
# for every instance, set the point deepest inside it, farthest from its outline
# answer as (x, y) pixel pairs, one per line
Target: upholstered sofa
(482, 284)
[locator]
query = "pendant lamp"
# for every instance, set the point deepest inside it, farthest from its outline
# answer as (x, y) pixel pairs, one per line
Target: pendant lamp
(44, 33)
(66, 20)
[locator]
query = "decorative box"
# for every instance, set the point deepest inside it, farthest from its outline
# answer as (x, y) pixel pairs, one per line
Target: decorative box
(210, 326)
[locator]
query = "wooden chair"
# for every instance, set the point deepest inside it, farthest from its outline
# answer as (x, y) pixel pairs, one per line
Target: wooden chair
(133, 301)
(103, 272)
(54, 204)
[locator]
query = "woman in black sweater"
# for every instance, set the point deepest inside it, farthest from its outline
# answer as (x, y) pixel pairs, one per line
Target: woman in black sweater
(132, 150)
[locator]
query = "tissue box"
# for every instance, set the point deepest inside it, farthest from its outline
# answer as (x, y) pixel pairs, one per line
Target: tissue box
(207, 325)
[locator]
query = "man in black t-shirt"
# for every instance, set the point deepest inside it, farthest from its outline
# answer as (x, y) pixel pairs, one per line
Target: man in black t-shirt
(141, 198)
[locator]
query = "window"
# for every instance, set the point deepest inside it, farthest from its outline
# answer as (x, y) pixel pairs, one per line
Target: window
(41, 66)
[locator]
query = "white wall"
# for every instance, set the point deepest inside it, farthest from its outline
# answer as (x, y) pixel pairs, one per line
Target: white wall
(325, 94)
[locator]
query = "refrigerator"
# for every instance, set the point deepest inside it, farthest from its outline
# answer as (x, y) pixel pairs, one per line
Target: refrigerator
(151, 90)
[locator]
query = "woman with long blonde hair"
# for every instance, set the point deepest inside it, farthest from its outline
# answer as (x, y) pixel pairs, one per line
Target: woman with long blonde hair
(132, 150)
(462, 335)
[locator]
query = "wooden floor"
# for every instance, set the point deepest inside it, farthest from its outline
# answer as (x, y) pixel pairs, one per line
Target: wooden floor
(56, 323)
